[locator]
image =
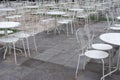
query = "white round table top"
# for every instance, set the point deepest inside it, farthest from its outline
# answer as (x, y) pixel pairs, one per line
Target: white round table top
(7, 9)
(118, 25)
(32, 7)
(56, 13)
(118, 17)
(115, 28)
(112, 38)
(9, 24)
(76, 9)
(89, 7)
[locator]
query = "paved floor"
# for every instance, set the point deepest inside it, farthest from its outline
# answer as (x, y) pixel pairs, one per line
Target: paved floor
(33, 69)
(61, 49)
(56, 59)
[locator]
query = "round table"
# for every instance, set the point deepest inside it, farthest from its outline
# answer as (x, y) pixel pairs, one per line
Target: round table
(32, 7)
(56, 13)
(76, 9)
(112, 38)
(118, 17)
(5, 25)
(7, 9)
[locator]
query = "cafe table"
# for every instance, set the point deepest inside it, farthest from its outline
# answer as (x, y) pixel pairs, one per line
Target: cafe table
(114, 39)
(5, 25)
(32, 7)
(7, 10)
(76, 9)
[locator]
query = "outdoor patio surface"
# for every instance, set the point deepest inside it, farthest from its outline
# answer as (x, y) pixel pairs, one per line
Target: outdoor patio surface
(56, 59)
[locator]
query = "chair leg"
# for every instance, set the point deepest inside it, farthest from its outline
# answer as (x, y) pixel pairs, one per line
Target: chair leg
(24, 48)
(103, 70)
(71, 27)
(67, 28)
(14, 53)
(110, 61)
(5, 52)
(74, 26)
(28, 47)
(35, 44)
(84, 63)
(77, 66)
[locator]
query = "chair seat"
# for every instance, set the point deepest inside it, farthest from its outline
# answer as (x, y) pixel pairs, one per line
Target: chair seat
(115, 28)
(96, 54)
(14, 16)
(88, 7)
(64, 21)
(48, 20)
(67, 15)
(101, 46)
(83, 16)
(40, 12)
(22, 35)
(8, 39)
(93, 13)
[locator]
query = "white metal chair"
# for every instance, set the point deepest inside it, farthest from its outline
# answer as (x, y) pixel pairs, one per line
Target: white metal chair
(9, 42)
(91, 35)
(93, 54)
(25, 34)
(84, 15)
(66, 20)
(98, 46)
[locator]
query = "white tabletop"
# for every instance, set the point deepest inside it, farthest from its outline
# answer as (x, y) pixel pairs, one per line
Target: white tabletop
(115, 28)
(56, 13)
(5, 25)
(32, 7)
(112, 38)
(76, 9)
(118, 17)
(7, 9)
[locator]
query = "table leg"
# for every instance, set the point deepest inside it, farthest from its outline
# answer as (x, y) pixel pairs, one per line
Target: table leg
(56, 28)
(117, 67)
(6, 34)
(7, 45)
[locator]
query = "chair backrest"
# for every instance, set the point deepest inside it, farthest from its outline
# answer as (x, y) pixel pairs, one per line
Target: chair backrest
(82, 39)
(110, 19)
(90, 34)
(118, 11)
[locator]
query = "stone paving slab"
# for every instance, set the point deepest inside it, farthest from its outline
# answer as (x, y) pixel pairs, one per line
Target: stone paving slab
(33, 69)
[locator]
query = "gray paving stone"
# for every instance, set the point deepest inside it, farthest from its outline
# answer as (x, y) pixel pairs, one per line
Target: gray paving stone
(8, 77)
(45, 56)
(20, 72)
